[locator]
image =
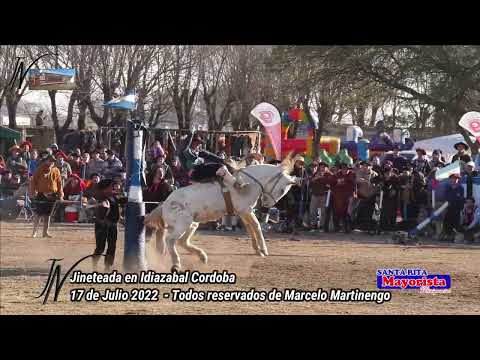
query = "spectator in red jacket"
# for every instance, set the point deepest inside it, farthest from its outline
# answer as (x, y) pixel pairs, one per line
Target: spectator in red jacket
(343, 188)
(74, 186)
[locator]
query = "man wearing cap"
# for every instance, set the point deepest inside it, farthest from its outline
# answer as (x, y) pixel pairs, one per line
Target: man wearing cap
(45, 188)
(96, 165)
(320, 184)
(461, 148)
(54, 148)
(15, 162)
(456, 200)
(364, 177)
(206, 165)
(114, 165)
(160, 162)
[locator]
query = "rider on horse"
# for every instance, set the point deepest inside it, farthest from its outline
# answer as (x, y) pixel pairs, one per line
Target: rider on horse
(206, 165)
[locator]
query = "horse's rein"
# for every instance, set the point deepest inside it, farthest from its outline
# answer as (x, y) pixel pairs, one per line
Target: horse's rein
(263, 192)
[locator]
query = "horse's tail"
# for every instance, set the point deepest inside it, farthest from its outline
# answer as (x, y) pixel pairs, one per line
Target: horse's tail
(155, 219)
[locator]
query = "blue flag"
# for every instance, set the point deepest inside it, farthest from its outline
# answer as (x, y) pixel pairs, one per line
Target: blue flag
(127, 102)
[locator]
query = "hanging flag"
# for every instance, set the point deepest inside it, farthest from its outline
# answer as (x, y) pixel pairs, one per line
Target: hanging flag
(471, 122)
(445, 172)
(127, 102)
(269, 117)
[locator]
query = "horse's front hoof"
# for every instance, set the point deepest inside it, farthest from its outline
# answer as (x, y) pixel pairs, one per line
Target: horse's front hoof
(204, 258)
(175, 268)
(262, 253)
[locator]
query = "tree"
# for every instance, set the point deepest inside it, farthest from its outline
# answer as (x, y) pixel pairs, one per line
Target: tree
(212, 77)
(11, 86)
(185, 82)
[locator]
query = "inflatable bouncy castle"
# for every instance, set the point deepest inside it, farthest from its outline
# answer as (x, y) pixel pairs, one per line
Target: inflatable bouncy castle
(303, 142)
(354, 144)
(381, 142)
(357, 148)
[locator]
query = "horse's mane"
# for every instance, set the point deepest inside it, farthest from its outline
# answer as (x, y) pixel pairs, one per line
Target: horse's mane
(236, 165)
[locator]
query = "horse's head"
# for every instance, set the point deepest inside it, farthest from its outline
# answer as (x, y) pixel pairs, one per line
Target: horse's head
(280, 184)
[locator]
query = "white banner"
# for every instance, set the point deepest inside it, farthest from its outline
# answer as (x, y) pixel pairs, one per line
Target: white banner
(269, 117)
(471, 122)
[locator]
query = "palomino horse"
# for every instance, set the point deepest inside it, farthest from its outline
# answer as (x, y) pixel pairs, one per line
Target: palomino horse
(179, 216)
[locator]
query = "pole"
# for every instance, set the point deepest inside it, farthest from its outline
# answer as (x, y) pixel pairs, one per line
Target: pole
(134, 250)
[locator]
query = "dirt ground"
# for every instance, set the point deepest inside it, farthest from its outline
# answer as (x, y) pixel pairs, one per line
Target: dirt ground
(315, 261)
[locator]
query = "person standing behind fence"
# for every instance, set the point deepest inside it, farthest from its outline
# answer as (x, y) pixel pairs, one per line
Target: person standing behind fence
(469, 174)
(33, 163)
(343, 189)
(64, 167)
(45, 188)
(114, 165)
(76, 163)
(320, 185)
(180, 174)
(391, 191)
(470, 220)
(437, 159)
(96, 165)
(156, 192)
(456, 200)
(462, 149)
(420, 164)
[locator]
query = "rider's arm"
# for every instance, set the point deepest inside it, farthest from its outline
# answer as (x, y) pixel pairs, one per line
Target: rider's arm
(207, 155)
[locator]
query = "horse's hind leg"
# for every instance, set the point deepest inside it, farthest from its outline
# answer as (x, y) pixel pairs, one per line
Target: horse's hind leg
(184, 241)
(253, 222)
(171, 238)
(160, 241)
(252, 234)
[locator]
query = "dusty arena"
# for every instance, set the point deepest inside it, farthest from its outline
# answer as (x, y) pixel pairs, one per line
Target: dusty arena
(308, 262)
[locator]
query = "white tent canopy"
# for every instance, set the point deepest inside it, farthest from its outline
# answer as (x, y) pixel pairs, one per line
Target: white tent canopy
(444, 143)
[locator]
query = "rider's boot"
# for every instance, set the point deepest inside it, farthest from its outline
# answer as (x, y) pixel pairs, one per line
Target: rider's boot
(230, 179)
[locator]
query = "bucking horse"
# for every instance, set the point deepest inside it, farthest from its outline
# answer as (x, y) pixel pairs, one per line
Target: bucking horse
(179, 216)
